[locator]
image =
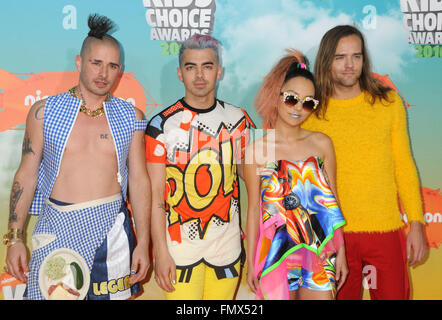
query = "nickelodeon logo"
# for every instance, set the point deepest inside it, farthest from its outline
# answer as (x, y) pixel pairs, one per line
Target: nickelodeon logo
(432, 205)
(18, 94)
(30, 99)
(433, 218)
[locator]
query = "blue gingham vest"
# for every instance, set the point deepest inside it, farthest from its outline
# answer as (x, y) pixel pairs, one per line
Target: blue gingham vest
(60, 114)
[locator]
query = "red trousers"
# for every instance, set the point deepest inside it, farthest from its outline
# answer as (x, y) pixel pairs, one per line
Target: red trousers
(381, 257)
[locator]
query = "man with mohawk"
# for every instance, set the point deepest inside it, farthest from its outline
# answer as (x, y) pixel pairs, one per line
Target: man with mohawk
(83, 153)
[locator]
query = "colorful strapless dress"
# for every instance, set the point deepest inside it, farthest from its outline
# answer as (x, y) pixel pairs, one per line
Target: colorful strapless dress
(299, 226)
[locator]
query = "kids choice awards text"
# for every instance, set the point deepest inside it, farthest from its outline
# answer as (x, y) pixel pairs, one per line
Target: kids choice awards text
(423, 20)
(177, 20)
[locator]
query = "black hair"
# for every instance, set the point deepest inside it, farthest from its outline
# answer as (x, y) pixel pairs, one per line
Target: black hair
(299, 70)
(99, 26)
(99, 30)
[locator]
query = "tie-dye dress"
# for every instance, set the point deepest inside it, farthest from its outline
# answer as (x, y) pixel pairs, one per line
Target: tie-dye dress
(299, 230)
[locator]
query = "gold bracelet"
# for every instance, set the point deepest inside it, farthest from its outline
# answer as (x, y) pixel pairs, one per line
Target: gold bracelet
(13, 234)
(13, 241)
(10, 241)
(15, 230)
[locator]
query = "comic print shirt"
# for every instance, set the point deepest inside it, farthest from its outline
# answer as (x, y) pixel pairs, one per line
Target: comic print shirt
(200, 149)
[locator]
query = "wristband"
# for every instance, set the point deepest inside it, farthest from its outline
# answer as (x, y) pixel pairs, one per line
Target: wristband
(12, 236)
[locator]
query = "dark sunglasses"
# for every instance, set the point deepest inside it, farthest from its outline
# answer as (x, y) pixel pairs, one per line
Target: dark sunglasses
(291, 99)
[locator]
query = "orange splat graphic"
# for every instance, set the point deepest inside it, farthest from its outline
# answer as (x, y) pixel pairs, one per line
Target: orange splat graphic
(18, 94)
(217, 188)
(432, 204)
(387, 82)
(221, 204)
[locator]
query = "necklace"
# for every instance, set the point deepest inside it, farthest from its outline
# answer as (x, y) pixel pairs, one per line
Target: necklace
(90, 113)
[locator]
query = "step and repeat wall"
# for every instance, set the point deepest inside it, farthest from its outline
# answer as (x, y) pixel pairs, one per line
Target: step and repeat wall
(40, 40)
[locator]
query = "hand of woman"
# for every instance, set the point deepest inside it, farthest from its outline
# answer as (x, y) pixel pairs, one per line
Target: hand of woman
(251, 279)
(341, 267)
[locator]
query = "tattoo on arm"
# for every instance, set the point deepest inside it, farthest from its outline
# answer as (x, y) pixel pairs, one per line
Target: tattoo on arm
(162, 206)
(104, 136)
(26, 147)
(38, 115)
(16, 193)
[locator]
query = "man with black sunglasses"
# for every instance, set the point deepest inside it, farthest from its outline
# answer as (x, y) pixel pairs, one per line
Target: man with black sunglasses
(367, 124)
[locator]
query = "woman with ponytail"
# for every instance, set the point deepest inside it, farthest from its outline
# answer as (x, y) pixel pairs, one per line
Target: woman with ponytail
(294, 240)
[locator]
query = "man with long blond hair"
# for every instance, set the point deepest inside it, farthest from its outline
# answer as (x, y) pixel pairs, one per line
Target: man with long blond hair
(367, 124)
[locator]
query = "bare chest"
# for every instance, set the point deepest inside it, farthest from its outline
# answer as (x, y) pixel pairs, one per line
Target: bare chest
(91, 136)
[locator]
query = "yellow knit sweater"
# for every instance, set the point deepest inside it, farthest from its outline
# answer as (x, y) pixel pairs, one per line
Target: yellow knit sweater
(374, 162)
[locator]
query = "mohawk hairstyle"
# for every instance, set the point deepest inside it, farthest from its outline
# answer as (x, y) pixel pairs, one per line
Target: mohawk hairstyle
(99, 25)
